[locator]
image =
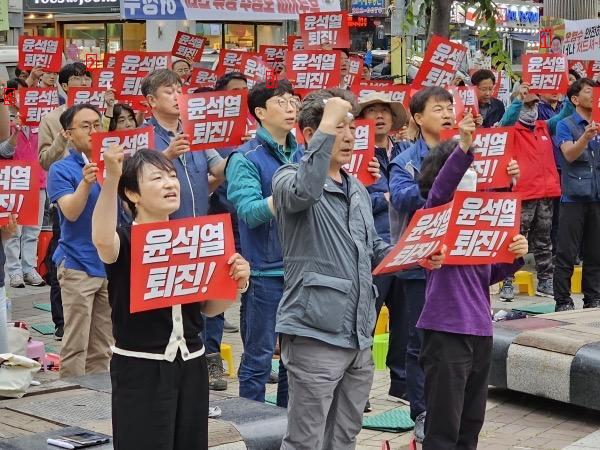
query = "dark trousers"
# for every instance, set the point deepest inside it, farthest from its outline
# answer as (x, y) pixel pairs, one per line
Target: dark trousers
(414, 293)
(456, 383)
(56, 307)
(159, 405)
(259, 337)
(554, 232)
(213, 333)
(536, 224)
(580, 225)
(391, 293)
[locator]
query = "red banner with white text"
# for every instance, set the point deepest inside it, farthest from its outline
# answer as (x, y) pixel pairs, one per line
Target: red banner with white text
(19, 192)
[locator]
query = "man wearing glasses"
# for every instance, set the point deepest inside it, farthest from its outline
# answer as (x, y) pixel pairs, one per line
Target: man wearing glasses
(491, 109)
(72, 185)
(249, 174)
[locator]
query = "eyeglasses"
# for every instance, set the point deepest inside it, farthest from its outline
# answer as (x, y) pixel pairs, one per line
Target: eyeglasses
(294, 102)
(88, 128)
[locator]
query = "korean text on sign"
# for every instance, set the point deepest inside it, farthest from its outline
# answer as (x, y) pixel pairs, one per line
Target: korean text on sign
(255, 70)
(102, 78)
(188, 46)
(230, 61)
(353, 78)
(423, 237)
(482, 226)
(465, 98)
(39, 51)
(442, 60)
(314, 69)
(493, 151)
(201, 77)
(596, 104)
(213, 118)
(325, 29)
(181, 261)
(131, 140)
(295, 43)
(93, 96)
(19, 192)
(36, 103)
(397, 92)
(273, 56)
(363, 152)
(546, 73)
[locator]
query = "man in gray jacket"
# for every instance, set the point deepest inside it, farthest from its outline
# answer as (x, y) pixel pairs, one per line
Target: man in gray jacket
(330, 246)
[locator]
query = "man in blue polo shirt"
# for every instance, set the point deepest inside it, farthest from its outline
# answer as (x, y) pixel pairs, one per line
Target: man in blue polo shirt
(72, 185)
(579, 217)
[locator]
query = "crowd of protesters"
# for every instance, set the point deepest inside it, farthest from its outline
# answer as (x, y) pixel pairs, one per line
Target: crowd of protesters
(307, 236)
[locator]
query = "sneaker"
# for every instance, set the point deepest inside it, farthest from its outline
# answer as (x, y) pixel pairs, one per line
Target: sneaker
(229, 327)
(16, 281)
(545, 289)
(34, 279)
(507, 293)
(592, 304)
(402, 399)
(215, 372)
(59, 332)
(368, 408)
(565, 306)
(273, 377)
(419, 430)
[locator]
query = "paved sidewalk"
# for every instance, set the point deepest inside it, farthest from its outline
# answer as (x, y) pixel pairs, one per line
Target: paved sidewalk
(513, 420)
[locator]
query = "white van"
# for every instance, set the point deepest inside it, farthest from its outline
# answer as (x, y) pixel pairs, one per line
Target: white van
(9, 58)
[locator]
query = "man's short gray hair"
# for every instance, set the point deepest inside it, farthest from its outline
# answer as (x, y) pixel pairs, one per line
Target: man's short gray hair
(159, 78)
(311, 110)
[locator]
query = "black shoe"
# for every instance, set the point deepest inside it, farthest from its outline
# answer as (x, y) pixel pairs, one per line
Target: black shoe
(592, 304)
(368, 407)
(567, 306)
(59, 332)
(215, 373)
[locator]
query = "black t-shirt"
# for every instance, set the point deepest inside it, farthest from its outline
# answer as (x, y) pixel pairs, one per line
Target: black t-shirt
(147, 331)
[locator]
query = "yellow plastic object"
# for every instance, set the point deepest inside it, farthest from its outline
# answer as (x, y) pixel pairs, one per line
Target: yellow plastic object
(227, 356)
(383, 321)
(381, 343)
(524, 280)
(576, 280)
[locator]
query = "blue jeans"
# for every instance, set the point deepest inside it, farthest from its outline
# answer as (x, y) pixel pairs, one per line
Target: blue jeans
(259, 337)
(213, 333)
(414, 292)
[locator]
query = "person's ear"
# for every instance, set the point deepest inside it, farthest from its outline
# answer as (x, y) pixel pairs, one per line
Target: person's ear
(133, 197)
(260, 112)
(308, 133)
(65, 86)
(151, 100)
(418, 119)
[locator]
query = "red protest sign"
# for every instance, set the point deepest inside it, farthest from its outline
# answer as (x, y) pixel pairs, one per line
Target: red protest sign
(273, 56)
(596, 104)
(546, 74)
(325, 29)
(181, 261)
(363, 152)
(110, 59)
(464, 98)
(19, 192)
(133, 68)
(255, 70)
(91, 95)
(594, 70)
(314, 69)
(481, 227)
(397, 92)
(230, 61)
(423, 237)
(382, 83)
(36, 103)
(131, 140)
(188, 46)
(295, 43)
(211, 118)
(202, 77)
(353, 78)
(40, 51)
(441, 62)
(102, 78)
(580, 67)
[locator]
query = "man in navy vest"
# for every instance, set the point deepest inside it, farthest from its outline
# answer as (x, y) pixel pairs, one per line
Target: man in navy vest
(579, 216)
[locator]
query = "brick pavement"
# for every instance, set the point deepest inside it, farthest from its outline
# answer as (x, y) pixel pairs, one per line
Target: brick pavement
(513, 420)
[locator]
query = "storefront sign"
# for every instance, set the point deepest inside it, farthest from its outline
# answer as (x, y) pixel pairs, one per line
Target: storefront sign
(4, 24)
(71, 6)
(522, 17)
(358, 22)
(371, 8)
(245, 10)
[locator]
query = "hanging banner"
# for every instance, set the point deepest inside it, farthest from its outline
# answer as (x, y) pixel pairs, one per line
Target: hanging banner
(363, 152)
(19, 192)
(325, 30)
(546, 74)
(181, 261)
(577, 39)
(442, 60)
(210, 118)
(245, 10)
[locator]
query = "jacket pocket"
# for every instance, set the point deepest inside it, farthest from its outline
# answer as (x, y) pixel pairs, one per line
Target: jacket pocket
(579, 183)
(326, 301)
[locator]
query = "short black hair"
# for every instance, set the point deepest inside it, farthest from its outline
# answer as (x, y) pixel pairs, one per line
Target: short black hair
(346, 51)
(180, 60)
(159, 78)
(557, 37)
(575, 74)
(201, 89)
(19, 71)
(420, 99)
(16, 83)
(222, 82)
(260, 93)
(66, 118)
(71, 70)
(578, 85)
(432, 164)
(81, 66)
(481, 75)
(313, 105)
(132, 170)
(118, 110)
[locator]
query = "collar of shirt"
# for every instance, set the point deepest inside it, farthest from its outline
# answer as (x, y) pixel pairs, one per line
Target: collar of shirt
(76, 156)
(578, 119)
(284, 152)
(158, 128)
